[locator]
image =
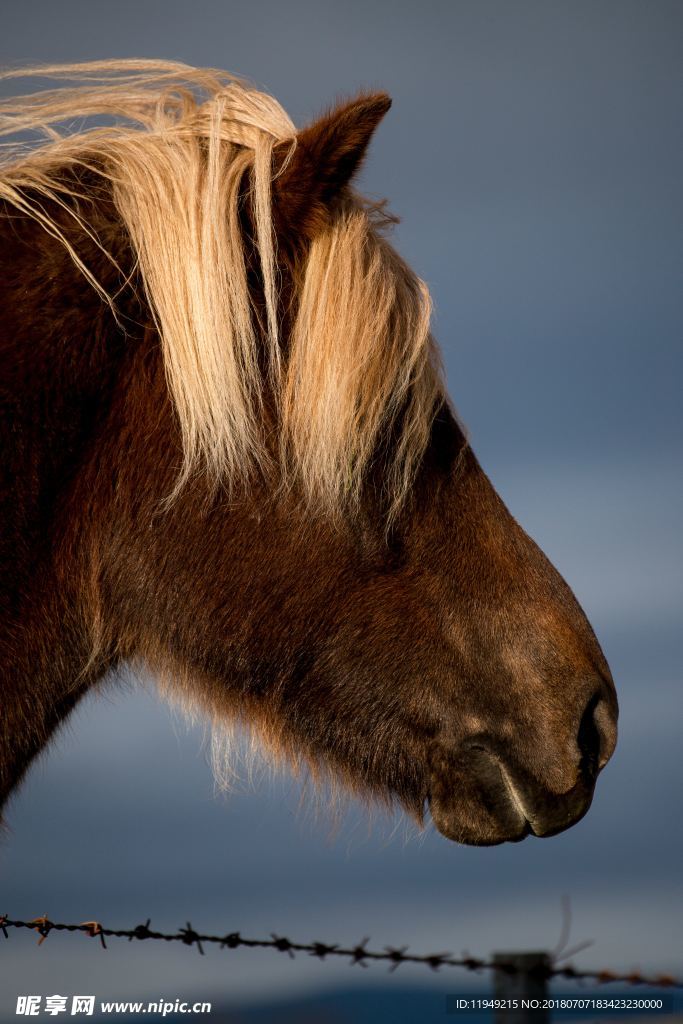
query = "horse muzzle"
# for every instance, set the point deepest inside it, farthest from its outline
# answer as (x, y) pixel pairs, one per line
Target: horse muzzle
(482, 795)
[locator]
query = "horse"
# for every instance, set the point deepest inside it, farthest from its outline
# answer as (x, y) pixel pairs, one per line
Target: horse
(228, 455)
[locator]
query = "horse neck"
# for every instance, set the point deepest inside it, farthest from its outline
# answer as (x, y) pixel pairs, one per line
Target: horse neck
(60, 359)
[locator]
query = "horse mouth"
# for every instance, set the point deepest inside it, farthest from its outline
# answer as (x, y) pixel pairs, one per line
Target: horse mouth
(481, 801)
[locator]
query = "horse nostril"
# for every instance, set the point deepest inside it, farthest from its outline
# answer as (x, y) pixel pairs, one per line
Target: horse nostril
(589, 739)
(597, 735)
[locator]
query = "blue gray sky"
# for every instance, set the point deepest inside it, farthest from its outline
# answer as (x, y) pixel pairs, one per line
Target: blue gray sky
(535, 154)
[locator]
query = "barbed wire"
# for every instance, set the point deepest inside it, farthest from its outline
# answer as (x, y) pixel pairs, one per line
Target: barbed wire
(358, 954)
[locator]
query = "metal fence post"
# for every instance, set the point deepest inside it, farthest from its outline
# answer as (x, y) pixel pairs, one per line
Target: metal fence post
(521, 977)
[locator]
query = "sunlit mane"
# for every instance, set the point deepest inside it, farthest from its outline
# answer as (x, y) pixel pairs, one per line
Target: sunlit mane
(360, 364)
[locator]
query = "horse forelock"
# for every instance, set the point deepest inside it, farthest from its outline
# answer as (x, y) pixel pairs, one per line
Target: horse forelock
(359, 364)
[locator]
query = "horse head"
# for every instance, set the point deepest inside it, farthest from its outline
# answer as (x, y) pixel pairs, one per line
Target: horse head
(273, 504)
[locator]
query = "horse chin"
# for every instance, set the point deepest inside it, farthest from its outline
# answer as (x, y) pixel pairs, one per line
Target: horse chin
(477, 826)
(478, 823)
(471, 802)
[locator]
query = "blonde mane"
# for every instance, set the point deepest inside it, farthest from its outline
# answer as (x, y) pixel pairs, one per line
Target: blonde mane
(176, 144)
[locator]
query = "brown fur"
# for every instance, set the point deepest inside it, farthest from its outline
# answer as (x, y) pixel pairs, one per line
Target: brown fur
(443, 661)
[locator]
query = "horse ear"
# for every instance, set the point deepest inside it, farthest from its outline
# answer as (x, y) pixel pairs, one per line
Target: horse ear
(328, 153)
